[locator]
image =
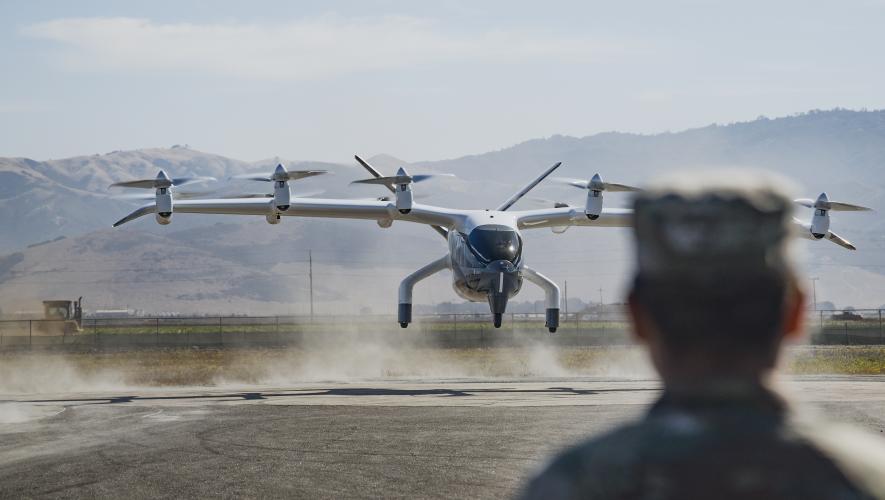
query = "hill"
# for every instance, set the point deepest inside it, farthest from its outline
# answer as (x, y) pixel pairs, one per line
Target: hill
(209, 263)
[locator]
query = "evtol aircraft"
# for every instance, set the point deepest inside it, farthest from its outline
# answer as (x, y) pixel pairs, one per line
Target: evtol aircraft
(484, 246)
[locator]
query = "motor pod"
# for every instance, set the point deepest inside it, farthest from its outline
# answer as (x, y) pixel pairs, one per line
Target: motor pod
(820, 221)
(164, 205)
(404, 315)
(593, 207)
(552, 319)
(281, 196)
(404, 198)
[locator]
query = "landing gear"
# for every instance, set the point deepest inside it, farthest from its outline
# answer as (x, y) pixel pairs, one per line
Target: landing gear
(552, 317)
(405, 315)
(496, 319)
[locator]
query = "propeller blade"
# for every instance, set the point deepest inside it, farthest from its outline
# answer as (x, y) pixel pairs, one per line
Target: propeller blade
(183, 181)
(147, 209)
(842, 242)
(836, 206)
(294, 175)
(161, 181)
(578, 183)
(252, 177)
(847, 207)
(175, 195)
(606, 186)
(424, 177)
(305, 194)
(141, 184)
(621, 188)
(386, 181)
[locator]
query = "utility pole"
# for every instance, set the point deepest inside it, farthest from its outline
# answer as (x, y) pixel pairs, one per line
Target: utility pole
(600, 297)
(566, 298)
(310, 278)
(814, 291)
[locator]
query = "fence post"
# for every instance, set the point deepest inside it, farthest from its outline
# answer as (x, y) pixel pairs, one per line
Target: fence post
(880, 326)
(157, 330)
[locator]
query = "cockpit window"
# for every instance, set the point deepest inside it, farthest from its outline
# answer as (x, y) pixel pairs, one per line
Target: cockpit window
(493, 242)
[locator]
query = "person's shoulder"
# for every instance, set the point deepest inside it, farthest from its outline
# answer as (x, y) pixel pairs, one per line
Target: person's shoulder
(575, 472)
(857, 453)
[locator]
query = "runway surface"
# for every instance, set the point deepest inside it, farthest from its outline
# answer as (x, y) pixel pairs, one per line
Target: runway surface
(386, 438)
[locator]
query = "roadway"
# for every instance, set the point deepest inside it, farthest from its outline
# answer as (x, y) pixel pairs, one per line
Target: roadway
(390, 438)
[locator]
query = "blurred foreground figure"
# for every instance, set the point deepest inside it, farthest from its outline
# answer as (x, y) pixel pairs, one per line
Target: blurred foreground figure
(714, 297)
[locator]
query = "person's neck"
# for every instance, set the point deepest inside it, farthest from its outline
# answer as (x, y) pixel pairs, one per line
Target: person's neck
(719, 381)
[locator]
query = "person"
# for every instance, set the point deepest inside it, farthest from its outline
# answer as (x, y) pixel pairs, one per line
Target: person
(714, 297)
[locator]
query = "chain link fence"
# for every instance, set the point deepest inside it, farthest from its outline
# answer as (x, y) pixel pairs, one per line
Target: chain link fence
(607, 327)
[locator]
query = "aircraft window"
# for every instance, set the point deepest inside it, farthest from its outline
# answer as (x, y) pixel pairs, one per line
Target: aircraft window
(495, 243)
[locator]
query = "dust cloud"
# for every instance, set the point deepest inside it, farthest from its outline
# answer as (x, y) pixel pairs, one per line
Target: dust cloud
(41, 373)
(336, 358)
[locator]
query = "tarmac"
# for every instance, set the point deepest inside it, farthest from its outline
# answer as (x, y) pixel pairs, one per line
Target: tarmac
(383, 438)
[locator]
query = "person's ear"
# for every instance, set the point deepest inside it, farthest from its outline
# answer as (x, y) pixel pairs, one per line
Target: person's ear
(637, 317)
(794, 313)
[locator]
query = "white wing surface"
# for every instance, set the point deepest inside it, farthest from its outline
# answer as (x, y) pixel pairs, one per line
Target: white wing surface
(312, 207)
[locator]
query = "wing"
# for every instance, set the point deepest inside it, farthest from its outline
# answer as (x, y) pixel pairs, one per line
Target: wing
(312, 207)
(572, 216)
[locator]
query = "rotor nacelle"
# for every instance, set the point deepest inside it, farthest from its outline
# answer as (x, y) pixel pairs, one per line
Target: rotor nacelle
(282, 197)
(404, 196)
(820, 221)
(593, 205)
(595, 188)
(401, 185)
(819, 227)
(281, 193)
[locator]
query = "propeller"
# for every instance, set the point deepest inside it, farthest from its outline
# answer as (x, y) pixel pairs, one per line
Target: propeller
(823, 203)
(161, 181)
(842, 242)
(401, 177)
(305, 194)
(596, 184)
(175, 195)
(419, 196)
(280, 174)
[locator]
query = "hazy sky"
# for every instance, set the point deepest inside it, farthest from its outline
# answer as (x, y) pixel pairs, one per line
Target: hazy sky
(419, 80)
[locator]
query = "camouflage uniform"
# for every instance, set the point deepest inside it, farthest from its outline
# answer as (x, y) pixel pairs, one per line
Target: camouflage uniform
(722, 436)
(719, 441)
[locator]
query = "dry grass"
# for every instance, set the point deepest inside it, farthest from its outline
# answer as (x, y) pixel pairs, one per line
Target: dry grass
(57, 372)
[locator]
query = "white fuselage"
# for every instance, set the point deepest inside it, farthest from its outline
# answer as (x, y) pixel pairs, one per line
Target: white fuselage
(485, 255)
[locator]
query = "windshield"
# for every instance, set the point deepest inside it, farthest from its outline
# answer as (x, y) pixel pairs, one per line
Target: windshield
(494, 242)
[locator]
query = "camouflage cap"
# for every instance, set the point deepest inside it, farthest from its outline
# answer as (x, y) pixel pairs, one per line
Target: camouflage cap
(709, 227)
